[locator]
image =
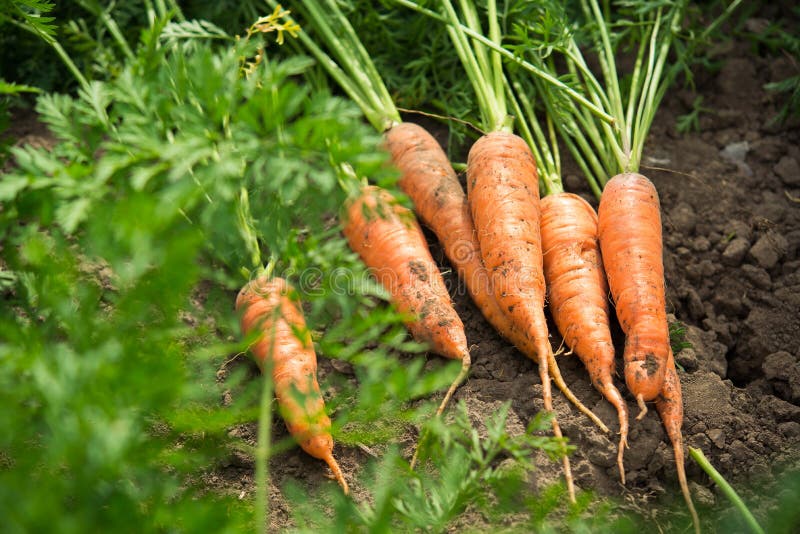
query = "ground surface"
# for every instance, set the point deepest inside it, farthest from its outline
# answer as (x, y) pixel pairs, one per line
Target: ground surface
(731, 222)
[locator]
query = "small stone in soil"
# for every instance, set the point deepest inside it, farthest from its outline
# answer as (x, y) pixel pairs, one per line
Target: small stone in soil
(687, 358)
(790, 429)
(739, 228)
(717, 437)
(789, 170)
(702, 495)
(735, 252)
(701, 244)
(769, 249)
(694, 305)
(683, 218)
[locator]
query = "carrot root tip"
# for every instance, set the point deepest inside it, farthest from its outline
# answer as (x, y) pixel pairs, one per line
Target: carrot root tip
(337, 473)
(642, 407)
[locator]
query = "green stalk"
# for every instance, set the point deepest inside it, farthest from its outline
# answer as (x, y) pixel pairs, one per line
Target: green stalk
(475, 65)
(357, 77)
(112, 26)
(374, 77)
(635, 86)
(577, 143)
(533, 69)
(346, 53)
(727, 489)
(531, 131)
(84, 83)
(607, 61)
(497, 61)
(263, 446)
(244, 219)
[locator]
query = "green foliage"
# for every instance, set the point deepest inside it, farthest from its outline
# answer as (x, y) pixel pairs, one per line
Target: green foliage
(677, 337)
(430, 80)
(690, 122)
(461, 469)
(777, 38)
(105, 238)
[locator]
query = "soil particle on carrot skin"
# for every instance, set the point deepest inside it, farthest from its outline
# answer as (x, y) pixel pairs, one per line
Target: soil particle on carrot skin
(419, 270)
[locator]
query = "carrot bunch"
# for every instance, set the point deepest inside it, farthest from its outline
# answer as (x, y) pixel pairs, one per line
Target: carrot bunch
(426, 177)
(628, 219)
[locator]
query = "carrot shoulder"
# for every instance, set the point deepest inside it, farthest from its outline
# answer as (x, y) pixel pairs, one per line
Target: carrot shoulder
(577, 289)
(266, 307)
(630, 241)
(439, 200)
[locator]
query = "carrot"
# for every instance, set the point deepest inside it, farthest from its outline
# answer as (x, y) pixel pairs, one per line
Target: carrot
(392, 245)
(577, 289)
(427, 177)
(669, 405)
(630, 240)
(503, 194)
(267, 307)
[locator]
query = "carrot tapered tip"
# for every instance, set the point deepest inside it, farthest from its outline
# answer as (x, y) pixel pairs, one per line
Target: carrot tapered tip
(337, 472)
(642, 407)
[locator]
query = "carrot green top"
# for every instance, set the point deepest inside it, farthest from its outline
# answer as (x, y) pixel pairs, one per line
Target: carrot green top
(351, 67)
(603, 148)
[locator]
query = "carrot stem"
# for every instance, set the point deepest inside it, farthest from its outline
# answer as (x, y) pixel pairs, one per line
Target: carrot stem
(537, 71)
(727, 489)
(263, 447)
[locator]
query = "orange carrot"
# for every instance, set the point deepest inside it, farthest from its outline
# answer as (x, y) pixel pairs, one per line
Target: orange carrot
(267, 307)
(439, 200)
(670, 407)
(577, 289)
(503, 194)
(630, 240)
(392, 245)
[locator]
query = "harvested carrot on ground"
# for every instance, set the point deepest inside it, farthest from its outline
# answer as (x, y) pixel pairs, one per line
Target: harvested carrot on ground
(629, 214)
(630, 239)
(391, 244)
(267, 307)
(427, 176)
(503, 196)
(577, 289)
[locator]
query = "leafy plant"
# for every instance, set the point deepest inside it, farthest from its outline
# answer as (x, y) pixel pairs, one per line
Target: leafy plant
(461, 469)
(691, 121)
(105, 239)
(677, 337)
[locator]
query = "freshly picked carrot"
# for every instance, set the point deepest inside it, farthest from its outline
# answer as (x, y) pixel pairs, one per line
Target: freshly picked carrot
(268, 308)
(629, 222)
(391, 244)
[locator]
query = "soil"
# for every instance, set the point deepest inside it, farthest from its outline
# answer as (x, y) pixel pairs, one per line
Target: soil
(730, 196)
